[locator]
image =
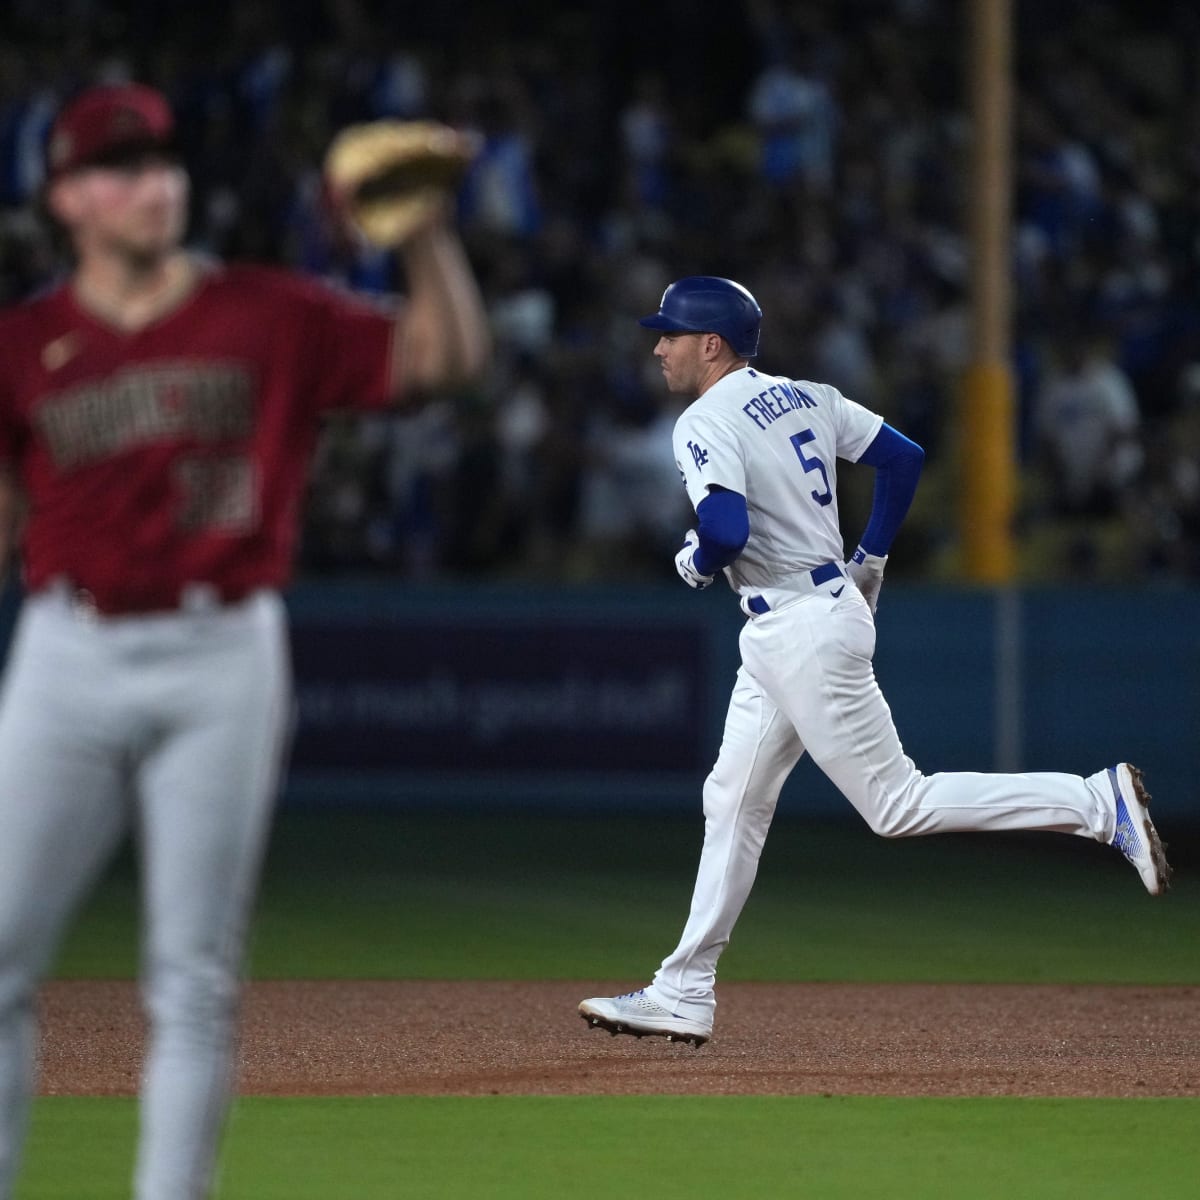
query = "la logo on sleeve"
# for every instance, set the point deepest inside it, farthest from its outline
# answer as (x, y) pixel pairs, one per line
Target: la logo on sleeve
(699, 455)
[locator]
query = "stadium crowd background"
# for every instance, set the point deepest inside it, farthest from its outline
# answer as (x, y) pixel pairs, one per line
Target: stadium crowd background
(815, 151)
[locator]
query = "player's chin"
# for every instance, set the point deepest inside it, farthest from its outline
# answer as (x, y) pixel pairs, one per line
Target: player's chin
(158, 232)
(151, 244)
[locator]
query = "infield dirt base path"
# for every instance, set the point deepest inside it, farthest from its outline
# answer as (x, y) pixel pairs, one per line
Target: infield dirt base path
(478, 1038)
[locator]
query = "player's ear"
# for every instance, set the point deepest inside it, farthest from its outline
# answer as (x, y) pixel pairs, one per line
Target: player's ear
(63, 201)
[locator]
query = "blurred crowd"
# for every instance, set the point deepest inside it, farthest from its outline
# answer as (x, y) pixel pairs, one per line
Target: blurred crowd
(815, 151)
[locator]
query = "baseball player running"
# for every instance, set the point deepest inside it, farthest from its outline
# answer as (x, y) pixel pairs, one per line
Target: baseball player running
(758, 455)
(158, 413)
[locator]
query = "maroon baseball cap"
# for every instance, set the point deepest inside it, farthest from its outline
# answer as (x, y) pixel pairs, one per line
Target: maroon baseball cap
(106, 124)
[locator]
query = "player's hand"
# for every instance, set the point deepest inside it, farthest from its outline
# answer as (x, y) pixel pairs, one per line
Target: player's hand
(391, 179)
(686, 567)
(866, 570)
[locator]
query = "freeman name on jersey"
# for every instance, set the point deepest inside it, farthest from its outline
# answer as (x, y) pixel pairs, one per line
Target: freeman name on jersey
(781, 397)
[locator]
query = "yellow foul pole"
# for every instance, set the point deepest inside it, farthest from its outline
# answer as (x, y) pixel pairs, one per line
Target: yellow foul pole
(989, 455)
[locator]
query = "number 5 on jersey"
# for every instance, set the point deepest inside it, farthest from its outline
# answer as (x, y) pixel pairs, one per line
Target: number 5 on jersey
(812, 463)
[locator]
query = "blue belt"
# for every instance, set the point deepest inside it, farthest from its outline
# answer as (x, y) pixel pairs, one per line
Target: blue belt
(819, 575)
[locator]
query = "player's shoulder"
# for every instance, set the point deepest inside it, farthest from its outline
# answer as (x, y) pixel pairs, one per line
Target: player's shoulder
(824, 397)
(283, 283)
(34, 310)
(734, 389)
(701, 411)
(722, 404)
(821, 393)
(278, 282)
(810, 388)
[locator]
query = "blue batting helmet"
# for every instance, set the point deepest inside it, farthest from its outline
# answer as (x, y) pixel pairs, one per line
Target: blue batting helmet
(709, 304)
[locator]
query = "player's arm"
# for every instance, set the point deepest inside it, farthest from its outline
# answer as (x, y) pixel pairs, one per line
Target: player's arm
(714, 476)
(897, 461)
(441, 337)
(721, 533)
(392, 183)
(11, 508)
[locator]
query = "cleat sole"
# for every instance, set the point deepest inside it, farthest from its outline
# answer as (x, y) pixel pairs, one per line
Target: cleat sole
(615, 1027)
(1158, 848)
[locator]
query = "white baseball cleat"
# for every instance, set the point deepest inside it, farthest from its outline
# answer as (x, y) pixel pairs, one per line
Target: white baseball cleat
(635, 1013)
(1136, 837)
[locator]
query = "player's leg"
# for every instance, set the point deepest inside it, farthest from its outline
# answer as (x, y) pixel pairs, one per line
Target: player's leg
(206, 792)
(758, 751)
(814, 658)
(62, 814)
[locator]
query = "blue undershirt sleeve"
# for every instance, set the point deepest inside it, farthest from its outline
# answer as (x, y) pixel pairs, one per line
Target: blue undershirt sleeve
(897, 462)
(723, 530)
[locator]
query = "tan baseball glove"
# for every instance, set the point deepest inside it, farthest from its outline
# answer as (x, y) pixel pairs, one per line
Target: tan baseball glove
(388, 179)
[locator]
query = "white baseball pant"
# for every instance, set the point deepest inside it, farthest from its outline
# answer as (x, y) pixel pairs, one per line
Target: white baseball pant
(807, 684)
(172, 727)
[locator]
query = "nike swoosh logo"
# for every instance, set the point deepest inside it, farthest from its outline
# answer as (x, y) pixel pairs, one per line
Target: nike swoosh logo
(840, 590)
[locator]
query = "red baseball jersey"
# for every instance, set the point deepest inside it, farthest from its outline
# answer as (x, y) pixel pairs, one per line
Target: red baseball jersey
(179, 453)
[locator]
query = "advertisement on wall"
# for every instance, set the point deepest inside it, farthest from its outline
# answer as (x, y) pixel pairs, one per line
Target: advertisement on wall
(465, 697)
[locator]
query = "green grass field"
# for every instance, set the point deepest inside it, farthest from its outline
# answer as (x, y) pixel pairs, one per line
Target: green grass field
(509, 896)
(544, 1148)
(382, 896)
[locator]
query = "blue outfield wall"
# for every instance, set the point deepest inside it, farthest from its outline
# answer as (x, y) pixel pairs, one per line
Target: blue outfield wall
(614, 697)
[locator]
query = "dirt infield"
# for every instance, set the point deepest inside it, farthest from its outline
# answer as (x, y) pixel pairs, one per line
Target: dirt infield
(371, 1038)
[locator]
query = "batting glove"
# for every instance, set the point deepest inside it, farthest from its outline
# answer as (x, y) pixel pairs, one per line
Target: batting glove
(866, 570)
(686, 567)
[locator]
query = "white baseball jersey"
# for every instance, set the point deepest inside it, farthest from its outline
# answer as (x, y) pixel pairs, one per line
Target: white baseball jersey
(776, 441)
(806, 684)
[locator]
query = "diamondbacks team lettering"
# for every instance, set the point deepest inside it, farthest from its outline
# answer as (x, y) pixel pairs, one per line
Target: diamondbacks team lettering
(211, 402)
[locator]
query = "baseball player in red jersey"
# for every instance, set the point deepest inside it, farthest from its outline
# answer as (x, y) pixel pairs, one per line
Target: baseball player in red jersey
(157, 412)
